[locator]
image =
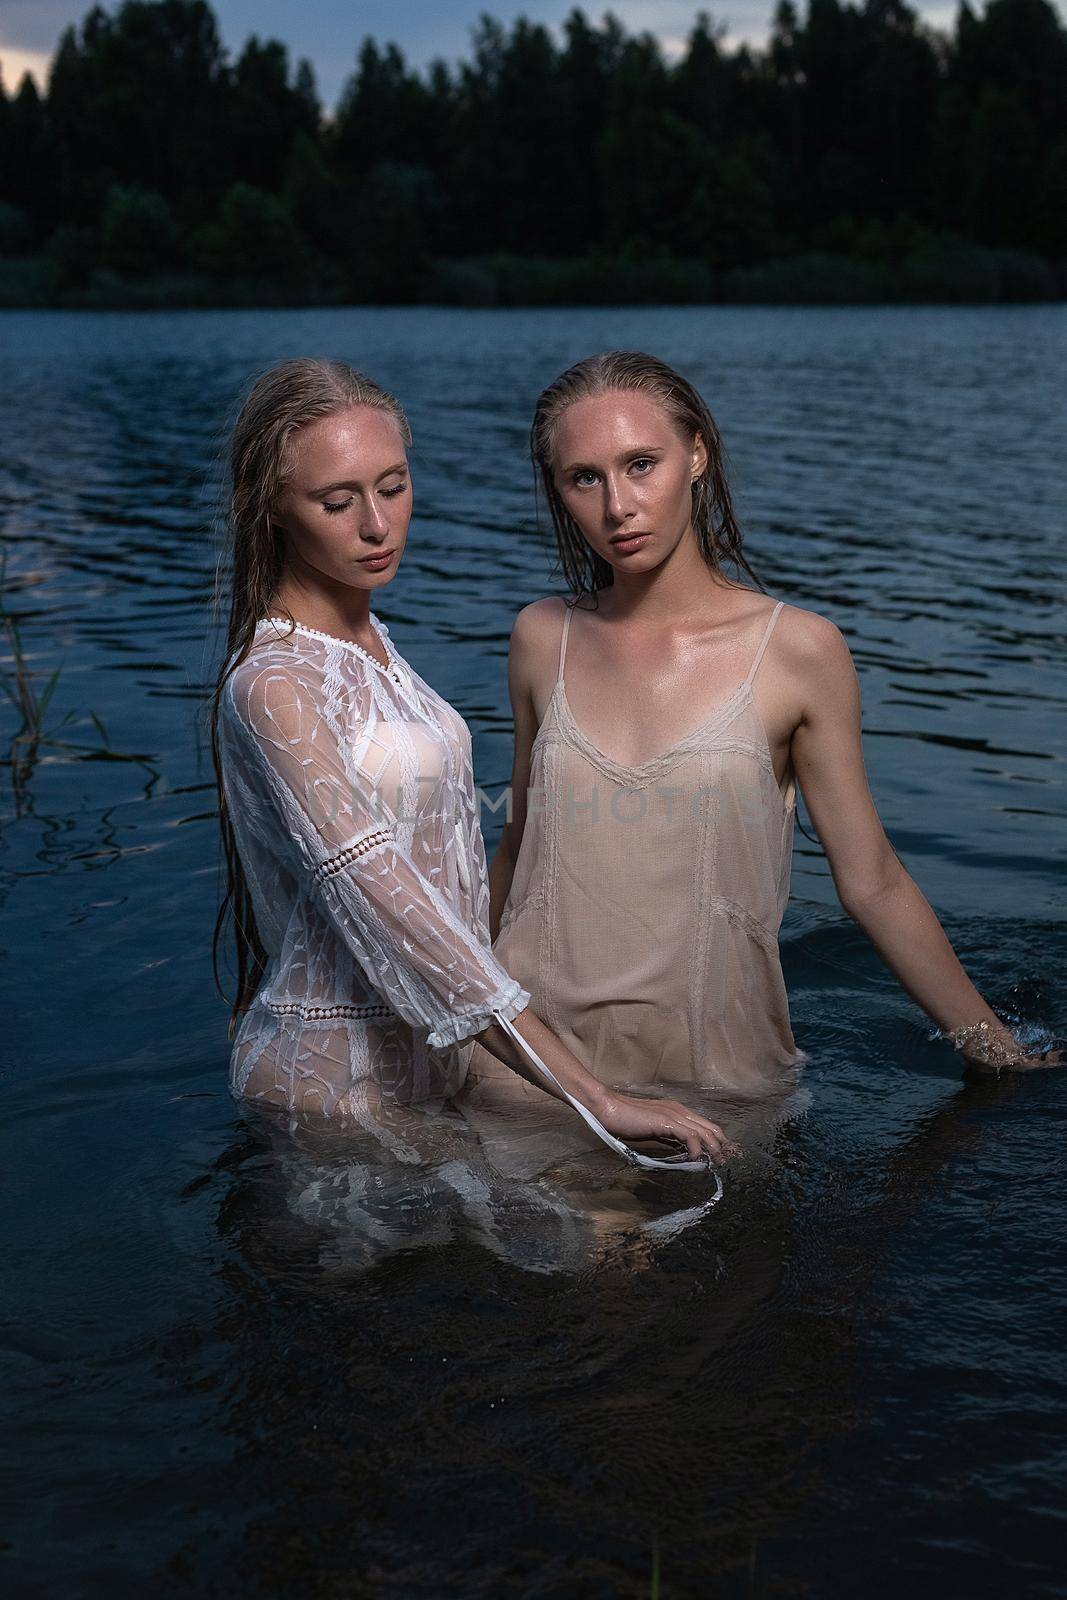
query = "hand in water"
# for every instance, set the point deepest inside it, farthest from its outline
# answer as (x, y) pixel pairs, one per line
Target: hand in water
(995, 1049)
(1021, 1063)
(631, 1117)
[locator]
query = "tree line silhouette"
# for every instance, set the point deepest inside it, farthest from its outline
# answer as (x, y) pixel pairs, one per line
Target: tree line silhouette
(861, 155)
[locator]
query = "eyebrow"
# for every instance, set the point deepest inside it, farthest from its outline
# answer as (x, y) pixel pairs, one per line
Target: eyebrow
(629, 455)
(352, 483)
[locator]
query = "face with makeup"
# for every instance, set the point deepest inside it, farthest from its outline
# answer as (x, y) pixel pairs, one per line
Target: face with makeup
(346, 507)
(624, 472)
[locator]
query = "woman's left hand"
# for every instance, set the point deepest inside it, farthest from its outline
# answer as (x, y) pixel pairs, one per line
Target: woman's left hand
(1019, 1063)
(986, 1048)
(634, 1117)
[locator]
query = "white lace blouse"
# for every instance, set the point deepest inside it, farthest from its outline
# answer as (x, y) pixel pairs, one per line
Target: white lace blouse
(351, 794)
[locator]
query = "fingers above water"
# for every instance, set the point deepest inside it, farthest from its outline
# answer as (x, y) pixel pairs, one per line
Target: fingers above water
(699, 1134)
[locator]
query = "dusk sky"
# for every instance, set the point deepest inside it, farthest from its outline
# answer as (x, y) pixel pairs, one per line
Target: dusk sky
(328, 31)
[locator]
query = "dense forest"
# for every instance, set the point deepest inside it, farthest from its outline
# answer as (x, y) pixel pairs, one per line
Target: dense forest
(860, 156)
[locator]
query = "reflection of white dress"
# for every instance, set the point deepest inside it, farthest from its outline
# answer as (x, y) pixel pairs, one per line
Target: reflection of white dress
(351, 794)
(529, 1189)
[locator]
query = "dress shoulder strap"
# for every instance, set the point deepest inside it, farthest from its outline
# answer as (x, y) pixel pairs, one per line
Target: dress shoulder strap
(758, 657)
(563, 640)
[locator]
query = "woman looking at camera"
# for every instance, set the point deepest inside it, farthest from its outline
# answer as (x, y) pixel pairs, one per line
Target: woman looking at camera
(664, 715)
(356, 871)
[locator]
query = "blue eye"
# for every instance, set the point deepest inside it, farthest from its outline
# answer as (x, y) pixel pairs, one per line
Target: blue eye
(643, 461)
(578, 476)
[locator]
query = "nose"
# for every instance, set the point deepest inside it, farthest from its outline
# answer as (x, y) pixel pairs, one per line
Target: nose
(616, 504)
(374, 524)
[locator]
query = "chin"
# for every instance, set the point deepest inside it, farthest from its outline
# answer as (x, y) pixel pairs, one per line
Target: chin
(370, 580)
(641, 561)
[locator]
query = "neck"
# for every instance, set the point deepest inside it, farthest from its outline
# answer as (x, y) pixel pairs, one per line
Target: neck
(680, 586)
(330, 607)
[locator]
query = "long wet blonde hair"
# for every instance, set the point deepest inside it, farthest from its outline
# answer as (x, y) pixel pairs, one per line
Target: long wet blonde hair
(715, 525)
(286, 398)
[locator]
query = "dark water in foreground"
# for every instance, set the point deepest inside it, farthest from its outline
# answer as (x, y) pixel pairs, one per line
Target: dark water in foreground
(231, 1366)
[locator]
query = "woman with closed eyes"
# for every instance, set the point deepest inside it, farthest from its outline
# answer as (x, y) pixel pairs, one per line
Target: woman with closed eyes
(356, 874)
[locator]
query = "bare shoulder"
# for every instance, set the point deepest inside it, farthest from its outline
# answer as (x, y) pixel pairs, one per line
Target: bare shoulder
(539, 622)
(532, 662)
(535, 633)
(809, 638)
(814, 654)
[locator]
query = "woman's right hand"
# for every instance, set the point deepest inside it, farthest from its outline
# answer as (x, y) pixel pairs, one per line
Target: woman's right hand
(632, 1117)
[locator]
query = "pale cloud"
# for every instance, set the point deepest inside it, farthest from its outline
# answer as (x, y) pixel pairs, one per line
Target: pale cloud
(672, 20)
(673, 49)
(328, 32)
(15, 62)
(941, 17)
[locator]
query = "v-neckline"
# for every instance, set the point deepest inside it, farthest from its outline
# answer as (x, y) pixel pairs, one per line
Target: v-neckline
(641, 767)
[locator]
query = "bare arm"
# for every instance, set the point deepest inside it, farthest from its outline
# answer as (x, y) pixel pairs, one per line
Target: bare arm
(424, 961)
(527, 645)
(501, 872)
(626, 1116)
(873, 885)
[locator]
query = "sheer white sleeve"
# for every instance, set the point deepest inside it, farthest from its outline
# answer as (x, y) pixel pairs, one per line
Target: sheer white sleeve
(408, 941)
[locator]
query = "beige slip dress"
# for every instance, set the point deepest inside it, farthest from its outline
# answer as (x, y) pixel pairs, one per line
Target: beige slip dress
(644, 909)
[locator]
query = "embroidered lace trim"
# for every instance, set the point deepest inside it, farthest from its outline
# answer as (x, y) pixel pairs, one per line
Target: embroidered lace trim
(291, 1008)
(351, 852)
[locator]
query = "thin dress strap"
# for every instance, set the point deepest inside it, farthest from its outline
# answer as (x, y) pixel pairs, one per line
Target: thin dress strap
(563, 640)
(763, 642)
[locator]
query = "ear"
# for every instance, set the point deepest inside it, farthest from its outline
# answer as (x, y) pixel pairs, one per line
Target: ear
(699, 457)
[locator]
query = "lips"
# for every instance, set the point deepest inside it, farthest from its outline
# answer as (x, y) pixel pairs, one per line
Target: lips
(624, 538)
(381, 555)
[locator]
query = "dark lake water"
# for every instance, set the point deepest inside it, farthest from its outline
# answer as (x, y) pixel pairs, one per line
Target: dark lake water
(232, 1365)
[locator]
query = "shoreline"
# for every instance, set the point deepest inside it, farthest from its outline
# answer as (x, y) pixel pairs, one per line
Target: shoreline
(942, 272)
